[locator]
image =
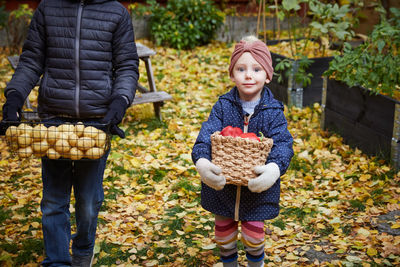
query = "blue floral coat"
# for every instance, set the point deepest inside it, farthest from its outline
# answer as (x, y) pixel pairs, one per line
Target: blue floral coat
(267, 118)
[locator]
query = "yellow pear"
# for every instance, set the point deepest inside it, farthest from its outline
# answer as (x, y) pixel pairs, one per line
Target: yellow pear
(52, 154)
(79, 128)
(12, 134)
(75, 154)
(101, 139)
(24, 128)
(62, 146)
(94, 153)
(73, 139)
(90, 131)
(84, 143)
(25, 152)
(52, 134)
(40, 147)
(66, 128)
(39, 132)
(24, 140)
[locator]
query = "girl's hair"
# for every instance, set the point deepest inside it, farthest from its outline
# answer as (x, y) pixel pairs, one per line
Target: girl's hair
(250, 39)
(258, 50)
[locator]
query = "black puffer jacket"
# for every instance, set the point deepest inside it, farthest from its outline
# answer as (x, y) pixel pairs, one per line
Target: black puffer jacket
(86, 53)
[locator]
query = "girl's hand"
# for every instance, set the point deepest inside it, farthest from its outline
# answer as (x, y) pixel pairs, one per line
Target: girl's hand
(210, 174)
(268, 174)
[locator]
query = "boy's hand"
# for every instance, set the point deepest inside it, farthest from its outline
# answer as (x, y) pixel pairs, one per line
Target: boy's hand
(210, 174)
(268, 175)
(11, 110)
(12, 107)
(115, 113)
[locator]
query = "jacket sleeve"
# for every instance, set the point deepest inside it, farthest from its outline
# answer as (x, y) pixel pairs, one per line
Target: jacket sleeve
(202, 146)
(125, 59)
(282, 149)
(31, 62)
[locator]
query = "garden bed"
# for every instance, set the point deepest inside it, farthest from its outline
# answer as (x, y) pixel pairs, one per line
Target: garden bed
(366, 121)
(292, 94)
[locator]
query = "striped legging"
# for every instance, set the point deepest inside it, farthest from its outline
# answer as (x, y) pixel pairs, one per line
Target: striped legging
(226, 232)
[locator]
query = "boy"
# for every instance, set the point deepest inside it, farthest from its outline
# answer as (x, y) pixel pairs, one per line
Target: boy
(87, 54)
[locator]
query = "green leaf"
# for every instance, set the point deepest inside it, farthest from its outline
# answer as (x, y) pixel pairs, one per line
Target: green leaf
(291, 5)
(381, 44)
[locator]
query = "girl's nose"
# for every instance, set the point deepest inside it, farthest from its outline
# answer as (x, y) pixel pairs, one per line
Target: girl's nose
(248, 74)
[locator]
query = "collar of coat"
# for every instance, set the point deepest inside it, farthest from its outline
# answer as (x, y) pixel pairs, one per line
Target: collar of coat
(267, 99)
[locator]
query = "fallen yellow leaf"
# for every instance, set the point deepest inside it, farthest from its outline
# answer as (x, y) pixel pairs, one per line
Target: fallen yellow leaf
(35, 224)
(395, 226)
(372, 252)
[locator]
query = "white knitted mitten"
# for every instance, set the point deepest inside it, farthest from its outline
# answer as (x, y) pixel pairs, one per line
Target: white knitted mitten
(210, 174)
(268, 174)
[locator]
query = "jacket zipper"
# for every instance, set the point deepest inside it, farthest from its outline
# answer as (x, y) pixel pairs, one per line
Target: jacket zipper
(246, 122)
(238, 188)
(77, 48)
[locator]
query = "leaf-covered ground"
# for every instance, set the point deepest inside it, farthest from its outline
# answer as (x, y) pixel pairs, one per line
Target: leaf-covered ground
(339, 207)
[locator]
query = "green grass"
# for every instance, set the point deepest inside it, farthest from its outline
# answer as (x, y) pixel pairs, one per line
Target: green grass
(4, 214)
(173, 196)
(326, 164)
(150, 124)
(112, 193)
(17, 176)
(357, 205)
(186, 184)
(326, 231)
(142, 180)
(27, 209)
(378, 196)
(298, 165)
(9, 247)
(28, 252)
(159, 175)
(114, 254)
(147, 190)
(346, 228)
(298, 213)
(279, 223)
(118, 170)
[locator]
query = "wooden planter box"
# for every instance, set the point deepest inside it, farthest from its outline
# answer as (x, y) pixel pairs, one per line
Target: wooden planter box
(368, 122)
(293, 94)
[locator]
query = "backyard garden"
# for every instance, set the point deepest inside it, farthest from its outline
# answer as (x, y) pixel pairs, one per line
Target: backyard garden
(340, 198)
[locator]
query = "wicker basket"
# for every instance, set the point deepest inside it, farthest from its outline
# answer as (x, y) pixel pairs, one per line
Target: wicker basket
(238, 156)
(75, 141)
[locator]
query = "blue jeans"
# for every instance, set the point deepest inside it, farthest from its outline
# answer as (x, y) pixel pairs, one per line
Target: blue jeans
(59, 177)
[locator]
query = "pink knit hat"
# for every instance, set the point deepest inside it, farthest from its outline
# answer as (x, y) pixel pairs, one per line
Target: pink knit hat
(258, 50)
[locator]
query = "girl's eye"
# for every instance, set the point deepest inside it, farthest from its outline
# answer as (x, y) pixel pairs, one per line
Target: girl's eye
(240, 69)
(257, 69)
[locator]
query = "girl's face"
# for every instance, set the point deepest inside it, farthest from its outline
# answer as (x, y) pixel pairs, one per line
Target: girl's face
(249, 77)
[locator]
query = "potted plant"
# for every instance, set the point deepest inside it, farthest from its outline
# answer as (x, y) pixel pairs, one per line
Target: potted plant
(298, 79)
(362, 97)
(16, 28)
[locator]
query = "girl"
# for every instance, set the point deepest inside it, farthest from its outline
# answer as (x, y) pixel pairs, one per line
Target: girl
(251, 106)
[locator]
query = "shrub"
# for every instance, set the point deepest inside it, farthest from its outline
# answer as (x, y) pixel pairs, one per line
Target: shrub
(3, 17)
(183, 24)
(17, 27)
(375, 64)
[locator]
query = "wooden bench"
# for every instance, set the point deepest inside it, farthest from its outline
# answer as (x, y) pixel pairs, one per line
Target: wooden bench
(150, 95)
